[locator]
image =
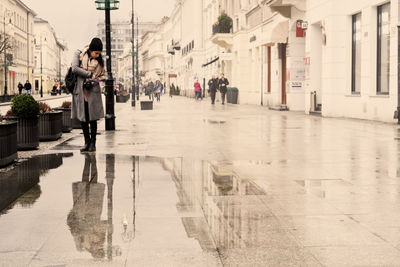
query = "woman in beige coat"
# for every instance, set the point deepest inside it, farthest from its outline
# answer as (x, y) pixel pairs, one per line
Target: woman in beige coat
(87, 104)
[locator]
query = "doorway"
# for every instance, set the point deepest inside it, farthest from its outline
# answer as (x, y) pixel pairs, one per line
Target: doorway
(282, 55)
(316, 68)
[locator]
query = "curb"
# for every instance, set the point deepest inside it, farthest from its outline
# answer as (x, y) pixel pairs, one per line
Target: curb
(40, 99)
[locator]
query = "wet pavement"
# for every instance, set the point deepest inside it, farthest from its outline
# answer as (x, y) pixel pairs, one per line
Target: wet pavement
(188, 184)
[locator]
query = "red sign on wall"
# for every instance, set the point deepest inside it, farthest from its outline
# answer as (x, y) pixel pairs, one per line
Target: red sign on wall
(300, 32)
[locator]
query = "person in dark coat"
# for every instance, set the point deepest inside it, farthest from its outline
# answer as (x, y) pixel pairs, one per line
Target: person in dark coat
(28, 87)
(223, 83)
(87, 105)
(213, 84)
(20, 87)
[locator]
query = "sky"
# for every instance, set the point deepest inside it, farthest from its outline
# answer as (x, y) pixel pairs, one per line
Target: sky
(76, 20)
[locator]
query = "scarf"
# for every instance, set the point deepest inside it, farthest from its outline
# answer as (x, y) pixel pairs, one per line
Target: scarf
(91, 65)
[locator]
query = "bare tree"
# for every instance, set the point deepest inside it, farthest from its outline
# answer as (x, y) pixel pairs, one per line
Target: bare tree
(6, 45)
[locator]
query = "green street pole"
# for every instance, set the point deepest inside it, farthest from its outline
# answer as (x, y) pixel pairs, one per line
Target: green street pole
(133, 101)
(137, 58)
(107, 5)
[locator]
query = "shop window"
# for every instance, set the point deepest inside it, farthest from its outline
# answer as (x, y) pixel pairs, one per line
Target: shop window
(356, 54)
(383, 59)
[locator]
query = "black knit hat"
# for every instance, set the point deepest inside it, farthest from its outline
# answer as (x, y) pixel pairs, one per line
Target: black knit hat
(96, 45)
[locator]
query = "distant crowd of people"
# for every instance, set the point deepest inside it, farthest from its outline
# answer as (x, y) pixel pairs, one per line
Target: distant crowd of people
(27, 88)
(154, 90)
(214, 84)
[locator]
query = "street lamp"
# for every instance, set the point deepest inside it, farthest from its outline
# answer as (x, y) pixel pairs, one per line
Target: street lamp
(108, 5)
(41, 64)
(133, 101)
(137, 58)
(6, 12)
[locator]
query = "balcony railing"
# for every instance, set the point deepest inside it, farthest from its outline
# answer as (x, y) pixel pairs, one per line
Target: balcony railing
(219, 28)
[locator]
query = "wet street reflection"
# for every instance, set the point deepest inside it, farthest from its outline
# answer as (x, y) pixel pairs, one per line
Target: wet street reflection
(140, 211)
(84, 220)
(21, 183)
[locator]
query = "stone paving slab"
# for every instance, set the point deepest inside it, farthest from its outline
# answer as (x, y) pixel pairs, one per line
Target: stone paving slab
(190, 184)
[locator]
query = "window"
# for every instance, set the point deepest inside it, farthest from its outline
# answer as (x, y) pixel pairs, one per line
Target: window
(356, 54)
(383, 60)
(269, 69)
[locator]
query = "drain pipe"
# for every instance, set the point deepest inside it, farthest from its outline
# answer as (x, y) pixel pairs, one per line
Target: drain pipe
(397, 112)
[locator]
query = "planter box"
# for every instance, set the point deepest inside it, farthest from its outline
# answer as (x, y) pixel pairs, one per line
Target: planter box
(122, 98)
(232, 95)
(76, 124)
(146, 105)
(6, 98)
(27, 132)
(50, 126)
(8, 143)
(66, 119)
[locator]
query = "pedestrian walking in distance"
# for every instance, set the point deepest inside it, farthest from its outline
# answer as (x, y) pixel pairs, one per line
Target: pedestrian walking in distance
(157, 90)
(28, 87)
(197, 90)
(20, 88)
(87, 105)
(150, 89)
(213, 84)
(223, 83)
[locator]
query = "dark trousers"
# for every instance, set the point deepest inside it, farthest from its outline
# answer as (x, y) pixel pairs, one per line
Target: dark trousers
(223, 97)
(212, 94)
(89, 134)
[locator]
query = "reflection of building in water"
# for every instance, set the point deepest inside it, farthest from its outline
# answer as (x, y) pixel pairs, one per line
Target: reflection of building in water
(21, 183)
(84, 220)
(221, 195)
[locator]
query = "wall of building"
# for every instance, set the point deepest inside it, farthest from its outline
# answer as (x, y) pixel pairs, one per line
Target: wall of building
(332, 72)
(19, 27)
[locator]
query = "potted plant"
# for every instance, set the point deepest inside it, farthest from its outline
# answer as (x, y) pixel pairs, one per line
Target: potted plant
(50, 123)
(25, 111)
(8, 141)
(225, 23)
(122, 97)
(66, 117)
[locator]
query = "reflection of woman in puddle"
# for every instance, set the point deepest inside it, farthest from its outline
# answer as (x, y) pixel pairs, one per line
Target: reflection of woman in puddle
(84, 220)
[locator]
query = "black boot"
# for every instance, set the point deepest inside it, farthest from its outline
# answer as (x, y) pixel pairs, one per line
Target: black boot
(93, 133)
(85, 129)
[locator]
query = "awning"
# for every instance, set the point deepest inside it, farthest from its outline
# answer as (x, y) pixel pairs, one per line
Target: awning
(280, 32)
(12, 69)
(211, 62)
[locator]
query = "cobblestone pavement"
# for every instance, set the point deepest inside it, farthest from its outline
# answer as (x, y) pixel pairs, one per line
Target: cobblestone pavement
(190, 184)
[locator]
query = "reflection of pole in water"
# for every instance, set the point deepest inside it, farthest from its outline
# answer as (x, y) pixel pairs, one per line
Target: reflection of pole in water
(110, 176)
(134, 194)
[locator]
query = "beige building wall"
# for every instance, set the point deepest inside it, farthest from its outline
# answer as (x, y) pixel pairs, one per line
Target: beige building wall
(17, 22)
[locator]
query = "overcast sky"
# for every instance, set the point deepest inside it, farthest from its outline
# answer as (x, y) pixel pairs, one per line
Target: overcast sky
(76, 20)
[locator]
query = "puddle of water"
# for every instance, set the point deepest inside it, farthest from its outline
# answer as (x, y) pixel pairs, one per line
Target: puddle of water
(23, 180)
(104, 201)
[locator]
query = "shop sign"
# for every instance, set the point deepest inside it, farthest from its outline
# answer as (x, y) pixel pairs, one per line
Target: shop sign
(226, 56)
(300, 31)
(296, 86)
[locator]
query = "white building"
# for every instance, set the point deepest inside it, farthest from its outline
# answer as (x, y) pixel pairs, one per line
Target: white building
(331, 57)
(50, 57)
(17, 25)
(121, 34)
(351, 50)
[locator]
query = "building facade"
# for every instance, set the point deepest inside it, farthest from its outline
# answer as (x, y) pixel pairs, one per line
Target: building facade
(121, 42)
(322, 57)
(17, 28)
(50, 55)
(351, 52)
